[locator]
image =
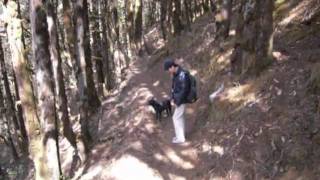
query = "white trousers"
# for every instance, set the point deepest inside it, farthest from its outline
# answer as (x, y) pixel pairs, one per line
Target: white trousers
(179, 122)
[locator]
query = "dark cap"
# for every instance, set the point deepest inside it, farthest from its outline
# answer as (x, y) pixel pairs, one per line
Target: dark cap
(169, 62)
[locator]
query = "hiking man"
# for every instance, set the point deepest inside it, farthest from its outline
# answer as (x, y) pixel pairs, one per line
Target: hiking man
(179, 93)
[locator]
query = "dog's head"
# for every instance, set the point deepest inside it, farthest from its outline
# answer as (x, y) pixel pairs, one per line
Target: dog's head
(152, 102)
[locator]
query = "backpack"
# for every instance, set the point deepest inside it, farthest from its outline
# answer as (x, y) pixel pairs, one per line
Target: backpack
(192, 96)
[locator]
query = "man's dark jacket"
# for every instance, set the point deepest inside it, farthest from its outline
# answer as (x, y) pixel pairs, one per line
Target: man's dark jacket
(180, 86)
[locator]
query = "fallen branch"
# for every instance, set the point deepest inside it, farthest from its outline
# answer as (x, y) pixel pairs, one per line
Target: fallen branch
(216, 93)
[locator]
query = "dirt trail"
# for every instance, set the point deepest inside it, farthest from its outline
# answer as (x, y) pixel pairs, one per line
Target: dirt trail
(133, 145)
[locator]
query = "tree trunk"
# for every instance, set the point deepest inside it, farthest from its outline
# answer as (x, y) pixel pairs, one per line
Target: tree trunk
(223, 18)
(177, 24)
(130, 19)
(69, 34)
(93, 98)
(10, 100)
(187, 13)
(47, 158)
(264, 46)
(1, 97)
(7, 137)
(254, 37)
(60, 94)
(96, 44)
(19, 132)
(197, 9)
(106, 49)
(314, 81)
(205, 6)
(22, 124)
(4, 118)
(163, 15)
(213, 6)
(138, 21)
(83, 68)
(169, 18)
(114, 35)
(20, 17)
(25, 90)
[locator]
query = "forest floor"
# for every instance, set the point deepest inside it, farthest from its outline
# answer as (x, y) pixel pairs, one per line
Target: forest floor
(265, 127)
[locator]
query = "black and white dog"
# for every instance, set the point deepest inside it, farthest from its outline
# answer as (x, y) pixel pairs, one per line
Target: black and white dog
(160, 107)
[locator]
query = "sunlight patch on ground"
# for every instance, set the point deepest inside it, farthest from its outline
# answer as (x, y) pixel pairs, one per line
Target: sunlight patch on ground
(160, 157)
(232, 32)
(218, 149)
(279, 56)
(137, 145)
(177, 160)
(223, 60)
(176, 177)
(294, 13)
(240, 93)
(150, 127)
(155, 84)
(188, 152)
(129, 167)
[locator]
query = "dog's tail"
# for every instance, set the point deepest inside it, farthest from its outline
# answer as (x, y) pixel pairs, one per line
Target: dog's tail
(216, 93)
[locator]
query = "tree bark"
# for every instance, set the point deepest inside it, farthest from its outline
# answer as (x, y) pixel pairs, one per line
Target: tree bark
(8, 137)
(22, 124)
(47, 156)
(314, 81)
(23, 78)
(197, 8)
(205, 6)
(223, 18)
(96, 44)
(254, 37)
(60, 94)
(83, 68)
(187, 13)
(4, 117)
(106, 54)
(93, 98)
(69, 34)
(138, 21)
(20, 130)
(10, 100)
(1, 97)
(177, 24)
(163, 15)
